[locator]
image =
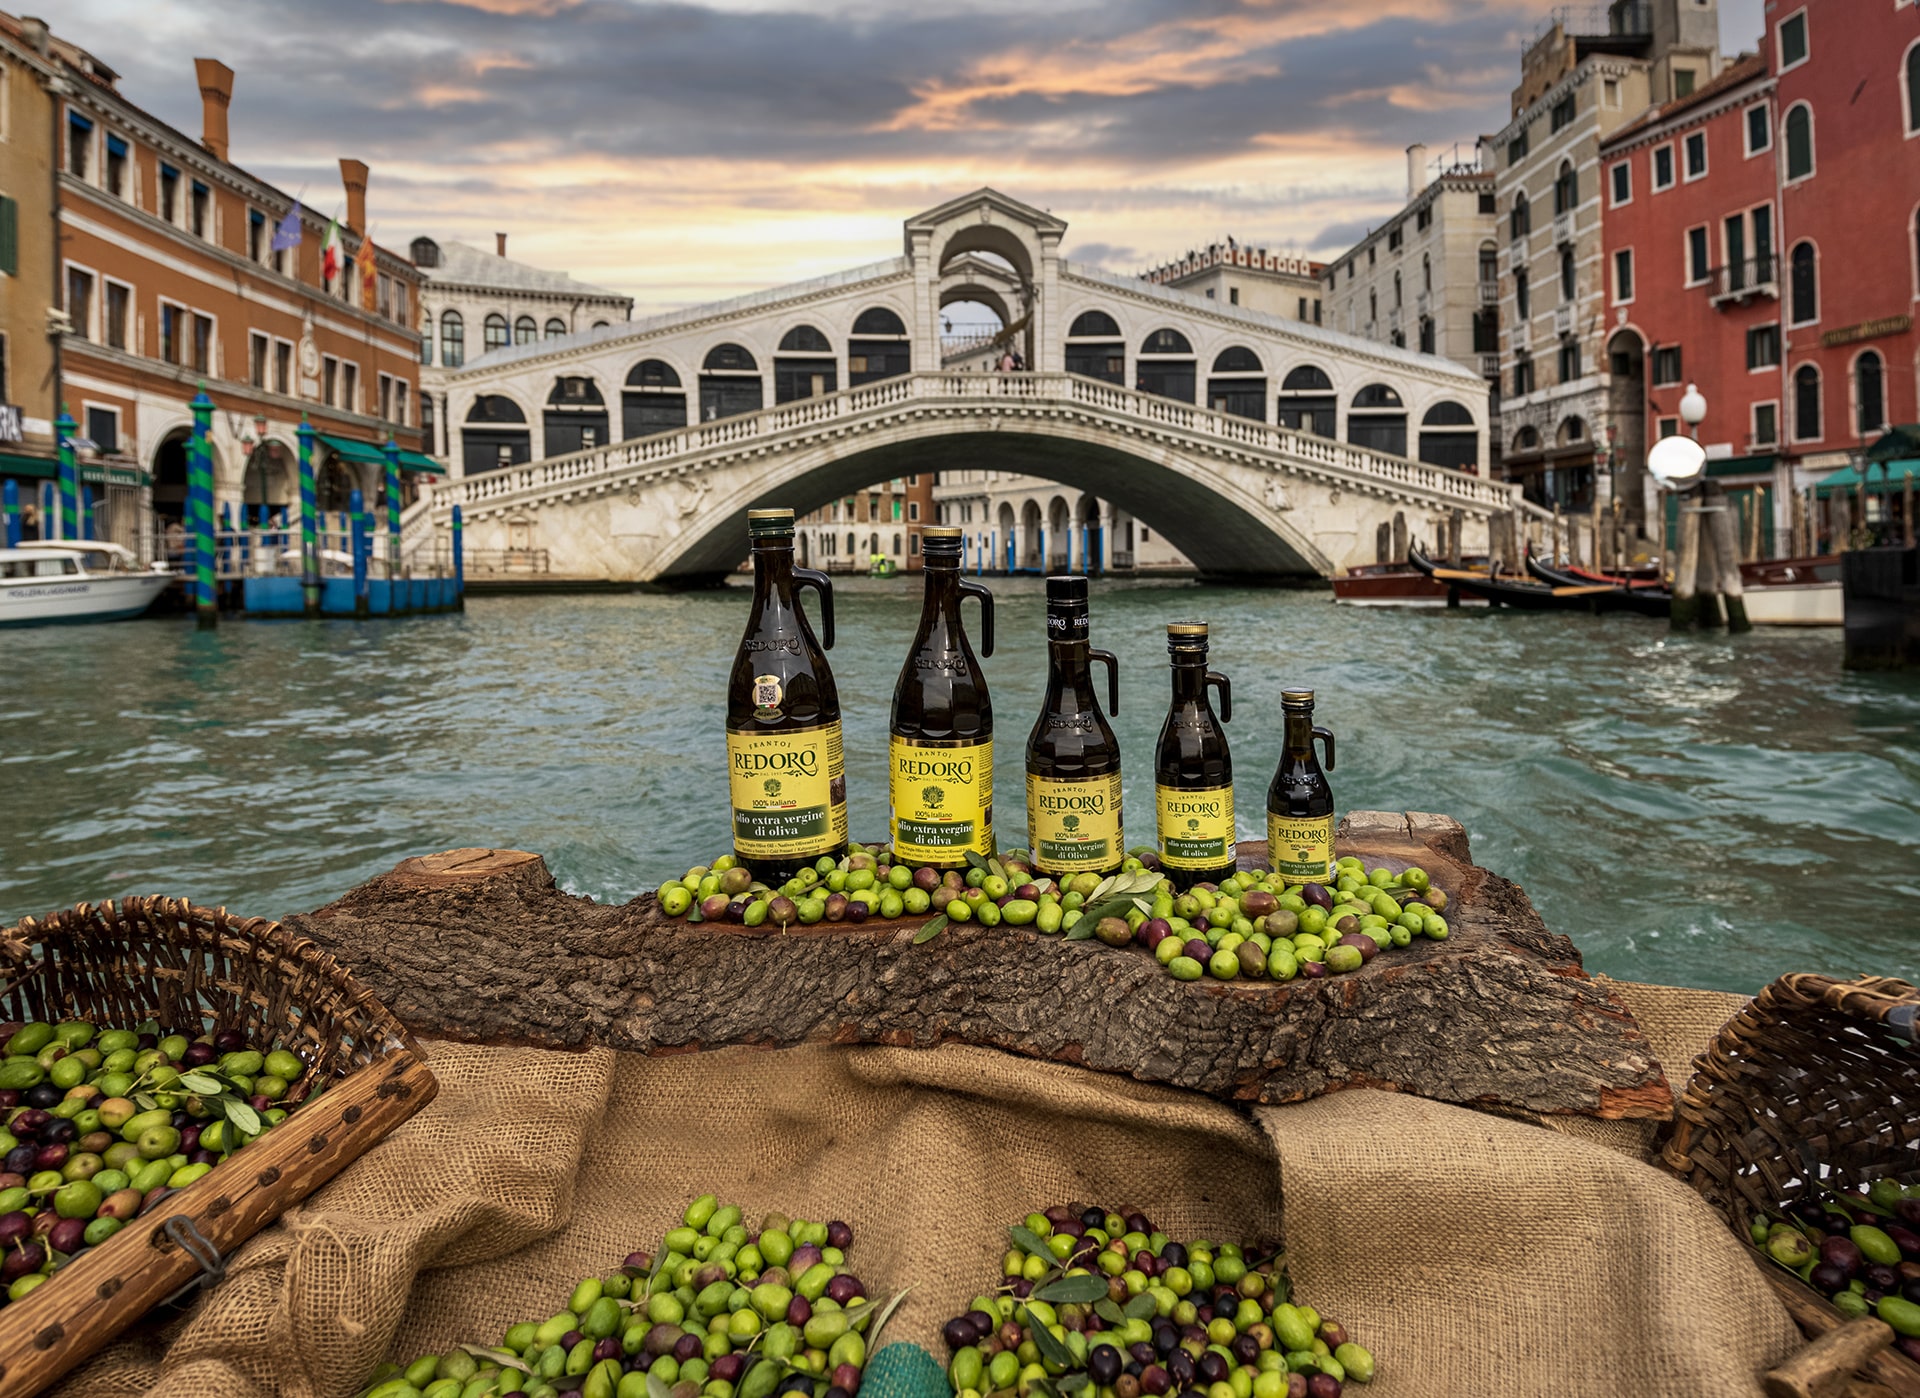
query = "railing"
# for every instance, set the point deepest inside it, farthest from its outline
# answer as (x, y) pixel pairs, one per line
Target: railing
(527, 562)
(1490, 291)
(1633, 20)
(1563, 321)
(1520, 334)
(1753, 276)
(1489, 366)
(1563, 227)
(785, 426)
(273, 551)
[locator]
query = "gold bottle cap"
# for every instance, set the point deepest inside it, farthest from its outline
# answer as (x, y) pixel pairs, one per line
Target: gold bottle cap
(1297, 698)
(1186, 628)
(941, 531)
(769, 522)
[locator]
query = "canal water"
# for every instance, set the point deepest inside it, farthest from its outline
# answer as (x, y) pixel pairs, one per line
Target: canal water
(1704, 811)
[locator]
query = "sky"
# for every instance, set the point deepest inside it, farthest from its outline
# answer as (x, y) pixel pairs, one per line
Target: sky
(685, 150)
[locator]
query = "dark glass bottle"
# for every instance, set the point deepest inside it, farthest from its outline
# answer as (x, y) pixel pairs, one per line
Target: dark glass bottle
(1192, 769)
(940, 749)
(1300, 802)
(1073, 759)
(784, 758)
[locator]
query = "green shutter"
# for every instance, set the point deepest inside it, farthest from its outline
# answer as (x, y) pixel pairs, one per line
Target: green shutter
(9, 236)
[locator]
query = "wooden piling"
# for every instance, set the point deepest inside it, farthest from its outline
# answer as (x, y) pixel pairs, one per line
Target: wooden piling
(1686, 580)
(1456, 526)
(1726, 553)
(1906, 509)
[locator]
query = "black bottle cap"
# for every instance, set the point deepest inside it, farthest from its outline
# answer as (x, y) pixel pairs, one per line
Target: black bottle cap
(1065, 591)
(941, 541)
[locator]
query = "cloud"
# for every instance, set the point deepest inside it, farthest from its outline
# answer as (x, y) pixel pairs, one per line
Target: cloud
(1338, 237)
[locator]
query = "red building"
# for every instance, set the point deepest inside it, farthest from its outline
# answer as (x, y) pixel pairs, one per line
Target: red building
(1762, 240)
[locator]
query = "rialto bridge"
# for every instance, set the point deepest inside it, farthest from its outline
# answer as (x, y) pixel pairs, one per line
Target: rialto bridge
(1259, 446)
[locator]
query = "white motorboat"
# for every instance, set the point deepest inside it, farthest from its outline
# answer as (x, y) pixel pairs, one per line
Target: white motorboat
(66, 580)
(1794, 591)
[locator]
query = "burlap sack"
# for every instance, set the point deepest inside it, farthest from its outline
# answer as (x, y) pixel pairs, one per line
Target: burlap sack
(1472, 1254)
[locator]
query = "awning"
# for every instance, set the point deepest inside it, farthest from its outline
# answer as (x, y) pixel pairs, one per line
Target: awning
(350, 450)
(1899, 443)
(113, 473)
(12, 464)
(425, 465)
(1881, 476)
(1761, 465)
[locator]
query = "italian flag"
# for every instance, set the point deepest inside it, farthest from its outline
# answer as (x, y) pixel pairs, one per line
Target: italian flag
(330, 251)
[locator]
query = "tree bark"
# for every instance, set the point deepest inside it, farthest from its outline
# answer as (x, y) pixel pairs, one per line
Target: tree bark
(480, 945)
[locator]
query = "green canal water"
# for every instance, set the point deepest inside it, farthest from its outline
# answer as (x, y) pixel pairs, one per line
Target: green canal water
(1704, 811)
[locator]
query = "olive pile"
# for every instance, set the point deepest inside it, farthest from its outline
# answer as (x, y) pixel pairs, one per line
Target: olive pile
(1860, 1251)
(719, 1311)
(102, 1127)
(1252, 926)
(1092, 1300)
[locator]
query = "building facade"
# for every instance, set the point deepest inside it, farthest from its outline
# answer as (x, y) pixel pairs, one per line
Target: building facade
(1562, 439)
(168, 281)
(883, 521)
(28, 255)
(1273, 283)
(1022, 523)
(475, 302)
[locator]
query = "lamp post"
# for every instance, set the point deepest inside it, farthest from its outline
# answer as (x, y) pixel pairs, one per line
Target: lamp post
(1693, 410)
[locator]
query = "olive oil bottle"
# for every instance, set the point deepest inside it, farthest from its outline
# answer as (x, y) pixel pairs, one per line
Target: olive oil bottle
(1192, 769)
(940, 749)
(786, 768)
(1073, 759)
(1300, 802)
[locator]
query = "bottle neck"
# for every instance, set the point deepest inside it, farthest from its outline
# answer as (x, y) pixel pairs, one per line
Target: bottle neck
(1189, 676)
(773, 570)
(943, 589)
(1069, 664)
(1299, 733)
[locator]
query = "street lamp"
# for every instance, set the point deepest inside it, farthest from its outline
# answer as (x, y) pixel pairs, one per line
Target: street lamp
(1693, 409)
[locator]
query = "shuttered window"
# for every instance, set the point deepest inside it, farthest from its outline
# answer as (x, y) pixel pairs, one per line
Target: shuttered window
(9, 236)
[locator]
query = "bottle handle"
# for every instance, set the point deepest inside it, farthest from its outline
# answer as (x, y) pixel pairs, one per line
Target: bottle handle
(1325, 736)
(1106, 658)
(1221, 683)
(823, 585)
(974, 589)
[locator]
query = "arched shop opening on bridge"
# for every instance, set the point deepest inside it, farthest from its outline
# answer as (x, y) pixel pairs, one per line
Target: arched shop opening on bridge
(1377, 420)
(1238, 384)
(729, 383)
(1165, 366)
(879, 348)
(653, 400)
(576, 416)
(494, 435)
(1307, 402)
(1095, 348)
(1448, 437)
(804, 366)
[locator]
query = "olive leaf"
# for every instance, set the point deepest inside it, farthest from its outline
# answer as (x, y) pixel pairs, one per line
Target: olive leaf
(1073, 1290)
(934, 927)
(657, 1387)
(1103, 888)
(241, 1114)
(506, 1359)
(974, 861)
(1110, 1313)
(1050, 1349)
(996, 868)
(1031, 1241)
(203, 1083)
(144, 1101)
(1074, 1382)
(1082, 928)
(873, 1336)
(1139, 1307)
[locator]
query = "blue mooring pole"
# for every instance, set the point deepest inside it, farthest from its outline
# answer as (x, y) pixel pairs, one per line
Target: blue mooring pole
(10, 503)
(200, 510)
(392, 451)
(309, 544)
(356, 507)
(64, 522)
(459, 561)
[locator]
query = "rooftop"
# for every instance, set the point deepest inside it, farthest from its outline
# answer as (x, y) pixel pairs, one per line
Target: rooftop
(1748, 68)
(1233, 254)
(464, 265)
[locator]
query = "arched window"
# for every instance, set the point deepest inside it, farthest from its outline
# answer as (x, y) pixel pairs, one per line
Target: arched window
(653, 373)
(1869, 394)
(1446, 414)
(1913, 87)
(878, 320)
(1448, 437)
(1100, 352)
(1525, 440)
(1092, 325)
(1377, 420)
(730, 359)
(1806, 404)
(1239, 387)
(1166, 341)
(1377, 395)
(1307, 402)
(525, 331)
(804, 339)
(729, 383)
(1236, 359)
(811, 377)
(556, 327)
(1566, 189)
(879, 348)
(576, 416)
(453, 340)
(1572, 432)
(495, 435)
(1157, 371)
(496, 332)
(1521, 220)
(1799, 142)
(1803, 288)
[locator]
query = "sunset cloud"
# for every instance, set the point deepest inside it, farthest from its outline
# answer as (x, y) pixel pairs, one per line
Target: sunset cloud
(691, 149)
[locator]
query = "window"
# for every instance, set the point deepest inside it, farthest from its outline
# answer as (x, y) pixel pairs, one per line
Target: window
(1696, 153)
(1373, 304)
(453, 340)
(1699, 265)
(199, 211)
(1488, 204)
(172, 320)
(282, 367)
(1683, 82)
(329, 379)
(913, 509)
(1427, 335)
(386, 397)
(556, 328)
(1426, 272)
(1763, 347)
(1370, 254)
(1663, 167)
(1517, 148)
(1799, 142)
(169, 194)
(1869, 394)
(1806, 404)
(1569, 361)
(1759, 129)
(103, 428)
(1523, 294)
(1666, 427)
(495, 332)
(116, 167)
(202, 344)
(1303, 308)
(1610, 92)
(1423, 220)
(1666, 365)
(1913, 89)
(426, 347)
(1568, 292)
(1522, 375)
(350, 387)
(525, 332)
(1562, 116)
(79, 144)
(114, 329)
(1623, 276)
(1566, 189)
(1522, 218)
(1623, 183)
(400, 401)
(256, 234)
(1233, 294)
(1762, 221)
(1393, 238)
(257, 359)
(1803, 290)
(1793, 40)
(1398, 299)
(1766, 424)
(80, 302)
(9, 235)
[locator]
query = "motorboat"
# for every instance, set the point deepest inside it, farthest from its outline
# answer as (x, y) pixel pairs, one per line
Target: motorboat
(1793, 591)
(69, 581)
(1393, 585)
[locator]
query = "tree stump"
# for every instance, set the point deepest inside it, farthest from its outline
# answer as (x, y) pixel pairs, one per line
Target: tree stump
(479, 945)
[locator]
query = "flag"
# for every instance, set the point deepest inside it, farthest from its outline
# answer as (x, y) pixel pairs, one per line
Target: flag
(369, 276)
(330, 251)
(286, 233)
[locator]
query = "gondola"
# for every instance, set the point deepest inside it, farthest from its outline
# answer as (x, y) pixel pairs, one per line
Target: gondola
(1523, 594)
(1642, 600)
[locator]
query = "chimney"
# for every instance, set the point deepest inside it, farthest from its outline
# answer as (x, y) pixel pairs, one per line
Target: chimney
(216, 90)
(34, 30)
(353, 174)
(500, 244)
(1416, 169)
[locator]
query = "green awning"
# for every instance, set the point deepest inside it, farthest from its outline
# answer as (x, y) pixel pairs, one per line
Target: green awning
(425, 465)
(1881, 476)
(1761, 465)
(113, 473)
(15, 465)
(348, 449)
(1899, 443)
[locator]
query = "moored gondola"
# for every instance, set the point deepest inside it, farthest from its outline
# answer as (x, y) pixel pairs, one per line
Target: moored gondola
(1642, 600)
(1526, 595)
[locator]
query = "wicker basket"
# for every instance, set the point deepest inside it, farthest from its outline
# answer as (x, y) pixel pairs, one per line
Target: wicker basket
(195, 970)
(1815, 1081)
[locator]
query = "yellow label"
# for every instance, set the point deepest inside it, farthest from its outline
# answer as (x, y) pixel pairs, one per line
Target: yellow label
(1073, 826)
(1196, 827)
(789, 792)
(1300, 847)
(942, 800)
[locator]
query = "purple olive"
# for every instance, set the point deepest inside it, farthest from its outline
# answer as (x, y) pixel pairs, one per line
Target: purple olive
(198, 1056)
(1909, 1211)
(68, 1235)
(30, 1122)
(1197, 948)
(737, 910)
(805, 1256)
(1316, 897)
(1296, 1386)
(1842, 1252)
(19, 1160)
(1203, 1315)
(983, 1326)
(799, 1311)
(836, 907)
(21, 1260)
(661, 1339)
(155, 1197)
(1028, 891)
(50, 1157)
(1881, 1277)
(9, 1098)
(846, 1378)
(958, 1333)
(147, 1041)
(1023, 1289)
(10, 1180)
(1245, 1348)
(844, 1288)
(1828, 1278)
(229, 1041)
(570, 1339)
(686, 1347)
(1368, 948)
(15, 1227)
(1138, 1223)
(1313, 970)
(59, 1132)
(1154, 1380)
(1180, 1368)
(1103, 1365)
(1143, 1352)
(1323, 1386)
(1903, 1238)
(1201, 924)
(44, 1096)
(1211, 1368)
(856, 910)
(839, 1235)
(1908, 1346)
(638, 1261)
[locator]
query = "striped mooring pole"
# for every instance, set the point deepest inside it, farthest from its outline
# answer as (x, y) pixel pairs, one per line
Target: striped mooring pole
(309, 547)
(200, 509)
(392, 450)
(459, 561)
(10, 504)
(362, 547)
(66, 491)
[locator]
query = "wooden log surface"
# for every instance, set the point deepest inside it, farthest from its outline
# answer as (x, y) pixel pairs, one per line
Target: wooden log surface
(480, 945)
